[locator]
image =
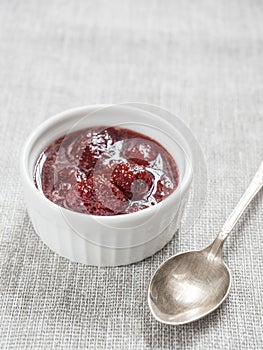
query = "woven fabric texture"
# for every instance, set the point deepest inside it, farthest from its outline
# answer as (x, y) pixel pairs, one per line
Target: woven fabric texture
(203, 61)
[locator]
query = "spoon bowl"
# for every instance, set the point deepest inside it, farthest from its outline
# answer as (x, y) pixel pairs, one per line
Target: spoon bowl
(188, 286)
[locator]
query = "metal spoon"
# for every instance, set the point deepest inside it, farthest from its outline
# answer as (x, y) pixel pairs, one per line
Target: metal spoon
(190, 285)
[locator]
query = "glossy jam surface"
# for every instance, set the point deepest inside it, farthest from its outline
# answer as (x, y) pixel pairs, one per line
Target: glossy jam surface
(105, 171)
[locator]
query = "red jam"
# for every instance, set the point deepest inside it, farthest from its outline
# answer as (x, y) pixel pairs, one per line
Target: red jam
(105, 171)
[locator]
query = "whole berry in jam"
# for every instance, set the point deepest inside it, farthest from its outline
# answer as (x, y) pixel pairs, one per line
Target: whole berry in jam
(141, 151)
(133, 179)
(100, 195)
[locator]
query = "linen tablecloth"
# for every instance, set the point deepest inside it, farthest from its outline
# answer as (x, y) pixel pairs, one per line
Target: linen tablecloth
(202, 61)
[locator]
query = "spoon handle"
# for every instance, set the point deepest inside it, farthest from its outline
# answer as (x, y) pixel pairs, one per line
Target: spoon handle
(255, 185)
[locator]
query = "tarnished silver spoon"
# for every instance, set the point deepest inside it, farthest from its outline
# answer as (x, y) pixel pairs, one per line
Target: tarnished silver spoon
(190, 285)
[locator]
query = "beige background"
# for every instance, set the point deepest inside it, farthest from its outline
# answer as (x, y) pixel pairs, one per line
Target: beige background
(203, 61)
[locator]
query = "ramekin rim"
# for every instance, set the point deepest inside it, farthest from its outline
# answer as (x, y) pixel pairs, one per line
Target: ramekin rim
(36, 132)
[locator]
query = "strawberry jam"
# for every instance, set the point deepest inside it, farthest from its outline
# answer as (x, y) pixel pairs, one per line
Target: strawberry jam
(105, 171)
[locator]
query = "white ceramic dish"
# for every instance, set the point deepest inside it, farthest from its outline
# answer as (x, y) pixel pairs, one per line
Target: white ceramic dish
(106, 240)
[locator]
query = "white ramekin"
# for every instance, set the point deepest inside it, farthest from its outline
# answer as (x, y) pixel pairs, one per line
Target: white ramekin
(106, 240)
